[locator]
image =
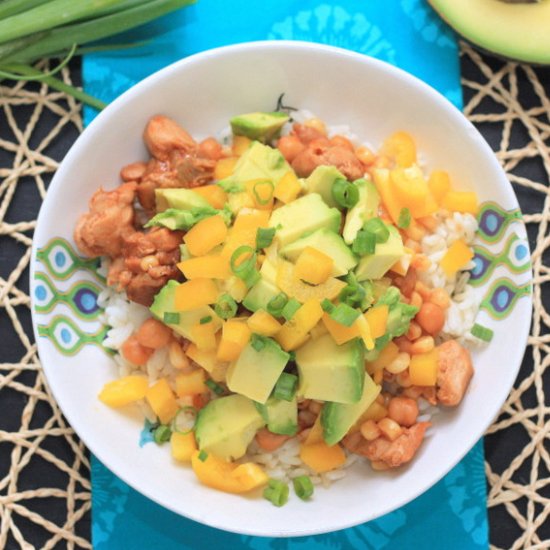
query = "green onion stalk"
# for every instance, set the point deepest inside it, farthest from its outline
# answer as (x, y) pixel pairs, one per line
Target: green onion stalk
(31, 30)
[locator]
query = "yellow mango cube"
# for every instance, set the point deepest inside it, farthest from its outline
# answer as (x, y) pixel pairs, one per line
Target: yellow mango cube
(204, 335)
(235, 336)
(206, 359)
(313, 266)
(390, 199)
(377, 318)
(423, 368)
(162, 400)
(245, 227)
(261, 192)
(364, 332)
(214, 194)
(182, 446)
(387, 355)
(295, 332)
(288, 188)
(400, 147)
(240, 145)
(261, 322)
(124, 391)
(375, 412)
(210, 267)
(190, 383)
(439, 184)
(205, 235)
(461, 201)
(194, 294)
(321, 457)
(456, 258)
(340, 333)
(224, 168)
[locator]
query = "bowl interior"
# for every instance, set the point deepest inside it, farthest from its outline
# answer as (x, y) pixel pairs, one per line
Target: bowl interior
(202, 93)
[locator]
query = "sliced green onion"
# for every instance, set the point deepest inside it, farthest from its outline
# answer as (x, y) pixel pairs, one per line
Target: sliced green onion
(481, 332)
(327, 305)
(257, 342)
(344, 193)
(205, 320)
(276, 305)
(162, 434)
(276, 492)
(203, 455)
(303, 487)
(364, 243)
(264, 236)
(291, 307)
(251, 278)
(291, 355)
(286, 386)
(379, 229)
(344, 314)
(225, 307)
(171, 317)
(182, 415)
(404, 219)
(215, 387)
(245, 265)
(257, 195)
(353, 295)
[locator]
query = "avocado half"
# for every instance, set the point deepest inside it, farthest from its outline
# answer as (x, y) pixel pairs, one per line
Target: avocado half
(518, 30)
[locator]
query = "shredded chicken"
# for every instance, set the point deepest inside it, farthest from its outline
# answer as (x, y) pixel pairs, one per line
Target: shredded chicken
(454, 372)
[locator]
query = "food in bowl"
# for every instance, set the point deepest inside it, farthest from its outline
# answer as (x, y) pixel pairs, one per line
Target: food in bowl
(286, 300)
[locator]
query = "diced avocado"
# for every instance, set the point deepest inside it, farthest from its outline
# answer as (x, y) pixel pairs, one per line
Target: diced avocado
(338, 418)
(265, 289)
(237, 201)
(304, 215)
(260, 162)
(330, 372)
(256, 371)
(281, 416)
(329, 243)
(165, 303)
(321, 180)
(365, 209)
(268, 271)
(261, 126)
(184, 252)
(226, 426)
(180, 198)
(375, 266)
(399, 319)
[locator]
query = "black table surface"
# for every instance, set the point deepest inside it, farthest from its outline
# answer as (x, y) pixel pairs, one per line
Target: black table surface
(500, 448)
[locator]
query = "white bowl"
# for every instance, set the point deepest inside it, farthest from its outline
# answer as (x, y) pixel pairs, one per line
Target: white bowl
(202, 92)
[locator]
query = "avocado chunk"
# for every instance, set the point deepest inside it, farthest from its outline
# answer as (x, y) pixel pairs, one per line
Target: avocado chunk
(321, 180)
(164, 302)
(304, 215)
(365, 209)
(375, 266)
(180, 199)
(338, 418)
(261, 126)
(330, 372)
(226, 426)
(265, 289)
(517, 30)
(328, 242)
(256, 371)
(281, 416)
(260, 162)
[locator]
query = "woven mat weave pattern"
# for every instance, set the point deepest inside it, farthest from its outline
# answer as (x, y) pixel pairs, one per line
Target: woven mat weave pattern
(34, 436)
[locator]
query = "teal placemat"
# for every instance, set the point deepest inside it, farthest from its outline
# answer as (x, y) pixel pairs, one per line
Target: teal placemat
(451, 515)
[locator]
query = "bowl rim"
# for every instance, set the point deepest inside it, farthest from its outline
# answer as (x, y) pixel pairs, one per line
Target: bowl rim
(143, 87)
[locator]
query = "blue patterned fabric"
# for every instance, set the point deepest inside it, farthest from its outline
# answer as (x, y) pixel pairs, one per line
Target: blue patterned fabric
(451, 515)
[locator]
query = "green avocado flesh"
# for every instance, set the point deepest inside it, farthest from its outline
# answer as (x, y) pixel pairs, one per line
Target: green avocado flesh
(518, 30)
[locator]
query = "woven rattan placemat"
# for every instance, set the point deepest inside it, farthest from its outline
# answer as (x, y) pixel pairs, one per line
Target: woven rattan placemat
(44, 470)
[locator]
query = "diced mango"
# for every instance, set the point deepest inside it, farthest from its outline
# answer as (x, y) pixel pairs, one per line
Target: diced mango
(340, 333)
(194, 294)
(364, 332)
(244, 229)
(385, 188)
(261, 192)
(214, 194)
(162, 400)
(124, 391)
(204, 335)
(321, 457)
(387, 355)
(401, 267)
(413, 191)
(439, 184)
(235, 287)
(183, 446)
(228, 476)
(400, 147)
(375, 412)
(261, 322)
(456, 258)
(318, 330)
(210, 267)
(240, 145)
(190, 383)
(295, 332)
(235, 336)
(461, 201)
(377, 318)
(423, 368)
(224, 168)
(205, 235)
(313, 267)
(206, 359)
(288, 188)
